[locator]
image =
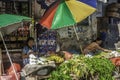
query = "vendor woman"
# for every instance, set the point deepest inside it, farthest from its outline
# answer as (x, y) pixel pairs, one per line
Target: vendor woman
(91, 48)
(28, 49)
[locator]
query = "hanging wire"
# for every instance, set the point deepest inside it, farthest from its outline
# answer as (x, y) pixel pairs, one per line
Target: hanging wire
(9, 56)
(74, 27)
(14, 4)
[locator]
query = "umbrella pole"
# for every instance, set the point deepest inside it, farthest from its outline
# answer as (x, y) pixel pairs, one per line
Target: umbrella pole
(77, 38)
(76, 32)
(9, 56)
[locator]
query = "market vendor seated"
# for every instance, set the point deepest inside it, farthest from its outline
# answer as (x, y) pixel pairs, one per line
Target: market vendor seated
(91, 48)
(28, 49)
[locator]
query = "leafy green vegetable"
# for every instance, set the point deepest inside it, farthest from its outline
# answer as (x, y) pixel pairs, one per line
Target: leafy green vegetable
(82, 67)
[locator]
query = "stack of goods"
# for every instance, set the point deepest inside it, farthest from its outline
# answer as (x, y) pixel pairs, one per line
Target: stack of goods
(113, 10)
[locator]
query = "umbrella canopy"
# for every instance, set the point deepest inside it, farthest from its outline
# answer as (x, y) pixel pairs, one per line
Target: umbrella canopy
(9, 23)
(67, 12)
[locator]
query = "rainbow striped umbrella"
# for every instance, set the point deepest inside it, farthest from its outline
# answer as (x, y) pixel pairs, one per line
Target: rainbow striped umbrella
(67, 12)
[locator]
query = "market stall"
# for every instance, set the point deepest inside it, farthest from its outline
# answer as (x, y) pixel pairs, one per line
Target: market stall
(101, 66)
(55, 17)
(8, 24)
(78, 67)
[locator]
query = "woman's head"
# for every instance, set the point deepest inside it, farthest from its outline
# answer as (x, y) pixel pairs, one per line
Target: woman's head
(98, 41)
(30, 41)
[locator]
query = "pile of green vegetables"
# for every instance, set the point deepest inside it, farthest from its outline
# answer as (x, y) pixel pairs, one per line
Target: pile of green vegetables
(102, 54)
(81, 67)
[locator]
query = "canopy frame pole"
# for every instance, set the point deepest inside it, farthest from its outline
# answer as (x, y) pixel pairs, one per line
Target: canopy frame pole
(74, 27)
(9, 56)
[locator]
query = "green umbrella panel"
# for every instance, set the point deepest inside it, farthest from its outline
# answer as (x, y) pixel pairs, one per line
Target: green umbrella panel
(9, 22)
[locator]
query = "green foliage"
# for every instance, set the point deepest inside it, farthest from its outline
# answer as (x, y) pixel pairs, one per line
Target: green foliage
(81, 66)
(102, 67)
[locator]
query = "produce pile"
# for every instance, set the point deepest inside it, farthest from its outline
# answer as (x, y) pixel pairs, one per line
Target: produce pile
(107, 55)
(83, 68)
(55, 58)
(45, 60)
(102, 54)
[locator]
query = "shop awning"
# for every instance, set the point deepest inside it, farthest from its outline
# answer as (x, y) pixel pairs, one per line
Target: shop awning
(9, 22)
